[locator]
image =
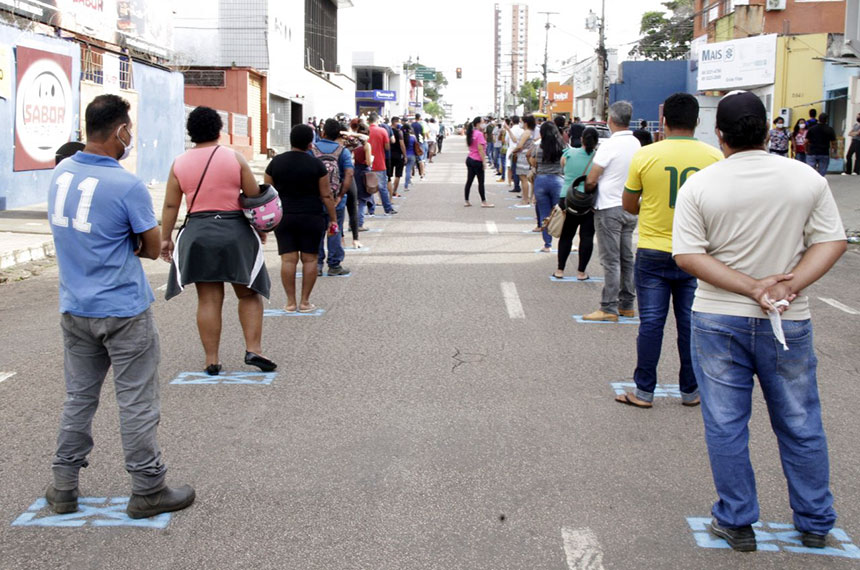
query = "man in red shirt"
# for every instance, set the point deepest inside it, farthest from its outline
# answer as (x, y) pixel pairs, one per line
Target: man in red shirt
(379, 144)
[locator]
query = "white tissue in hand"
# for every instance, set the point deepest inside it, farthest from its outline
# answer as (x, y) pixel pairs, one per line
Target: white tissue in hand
(776, 320)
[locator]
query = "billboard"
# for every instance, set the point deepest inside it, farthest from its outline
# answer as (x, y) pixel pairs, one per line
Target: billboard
(736, 64)
(43, 107)
(145, 25)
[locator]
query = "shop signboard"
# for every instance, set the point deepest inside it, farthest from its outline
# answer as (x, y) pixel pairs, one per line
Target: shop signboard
(5, 72)
(737, 64)
(43, 107)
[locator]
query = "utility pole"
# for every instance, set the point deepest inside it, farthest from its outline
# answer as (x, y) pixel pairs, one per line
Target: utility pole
(602, 64)
(545, 61)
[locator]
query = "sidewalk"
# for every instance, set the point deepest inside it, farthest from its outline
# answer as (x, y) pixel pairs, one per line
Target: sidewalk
(25, 234)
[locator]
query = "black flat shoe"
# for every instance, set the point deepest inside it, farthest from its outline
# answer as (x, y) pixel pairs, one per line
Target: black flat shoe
(260, 362)
(213, 369)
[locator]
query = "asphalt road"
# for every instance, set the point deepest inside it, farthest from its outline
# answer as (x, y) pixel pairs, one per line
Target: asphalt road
(416, 424)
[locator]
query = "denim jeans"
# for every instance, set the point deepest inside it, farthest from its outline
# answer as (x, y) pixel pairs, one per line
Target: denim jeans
(363, 197)
(657, 278)
(819, 162)
(727, 351)
(547, 192)
(410, 164)
(383, 190)
(502, 160)
(335, 247)
(513, 166)
(615, 240)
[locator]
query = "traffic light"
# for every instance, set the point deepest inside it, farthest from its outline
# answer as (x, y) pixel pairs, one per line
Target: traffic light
(459, 73)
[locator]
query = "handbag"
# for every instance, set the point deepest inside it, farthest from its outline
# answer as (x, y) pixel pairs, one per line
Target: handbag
(555, 221)
(199, 184)
(419, 150)
(371, 182)
(579, 202)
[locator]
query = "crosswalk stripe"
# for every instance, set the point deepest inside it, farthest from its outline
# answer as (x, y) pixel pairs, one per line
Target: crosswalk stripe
(840, 306)
(512, 300)
(582, 549)
(492, 228)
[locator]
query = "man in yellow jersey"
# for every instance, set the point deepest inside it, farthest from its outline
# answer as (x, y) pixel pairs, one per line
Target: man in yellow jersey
(657, 174)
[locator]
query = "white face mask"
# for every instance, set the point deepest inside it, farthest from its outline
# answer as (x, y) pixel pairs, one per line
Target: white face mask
(126, 148)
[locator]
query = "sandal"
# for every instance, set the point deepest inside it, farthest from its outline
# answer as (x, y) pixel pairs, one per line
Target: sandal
(309, 309)
(631, 400)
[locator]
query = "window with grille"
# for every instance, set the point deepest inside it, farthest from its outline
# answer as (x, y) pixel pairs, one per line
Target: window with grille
(321, 35)
(92, 68)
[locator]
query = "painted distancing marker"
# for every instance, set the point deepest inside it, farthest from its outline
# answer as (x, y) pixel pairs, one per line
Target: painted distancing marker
(285, 313)
(574, 279)
(363, 249)
(538, 250)
(6, 375)
(162, 288)
(510, 199)
(524, 218)
(492, 229)
(582, 549)
(519, 206)
(373, 231)
(512, 300)
(621, 321)
(252, 378)
(840, 306)
(92, 511)
(777, 537)
(661, 391)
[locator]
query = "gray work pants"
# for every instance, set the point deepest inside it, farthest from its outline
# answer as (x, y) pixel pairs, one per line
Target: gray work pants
(615, 238)
(91, 346)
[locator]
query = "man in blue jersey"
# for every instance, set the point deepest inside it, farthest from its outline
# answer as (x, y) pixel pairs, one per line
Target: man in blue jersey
(102, 220)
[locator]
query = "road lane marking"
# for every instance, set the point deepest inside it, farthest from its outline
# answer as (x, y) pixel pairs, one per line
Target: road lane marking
(840, 306)
(512, 300)
(162, 288)
(6, 375)
(582, 549)
(492, 228)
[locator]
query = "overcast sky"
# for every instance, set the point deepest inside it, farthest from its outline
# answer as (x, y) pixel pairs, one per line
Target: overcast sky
(447, 34)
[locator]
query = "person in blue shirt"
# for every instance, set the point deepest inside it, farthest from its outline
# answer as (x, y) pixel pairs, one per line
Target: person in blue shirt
(328, 146)
(102, 220)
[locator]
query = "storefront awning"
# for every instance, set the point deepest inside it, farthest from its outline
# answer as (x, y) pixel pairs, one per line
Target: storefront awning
(845, 61)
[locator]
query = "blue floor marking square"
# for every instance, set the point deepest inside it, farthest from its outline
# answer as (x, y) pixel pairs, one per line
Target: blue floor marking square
(519, 206)
(510, 199)
(285, 313)
(254, 378)
(92, 511)
(364, 249)
(621, 321)
(553, 251)
(661, 391)
(574, 279)
(524, 218)
(374, 230)
(776, 537)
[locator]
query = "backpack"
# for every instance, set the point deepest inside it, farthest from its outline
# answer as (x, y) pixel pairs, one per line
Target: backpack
(330, 161)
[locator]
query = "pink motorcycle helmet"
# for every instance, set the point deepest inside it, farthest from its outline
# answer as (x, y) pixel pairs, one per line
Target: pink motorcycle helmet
(264, 212)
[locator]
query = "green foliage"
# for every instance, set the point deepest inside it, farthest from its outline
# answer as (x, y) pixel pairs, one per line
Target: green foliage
(666, 37)
(434, 109)
(530, 95)
(433, 89)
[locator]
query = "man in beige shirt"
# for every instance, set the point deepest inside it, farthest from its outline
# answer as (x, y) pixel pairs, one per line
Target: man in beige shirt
(756, 229)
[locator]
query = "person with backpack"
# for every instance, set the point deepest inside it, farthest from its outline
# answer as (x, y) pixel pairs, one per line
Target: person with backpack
(575, 163)
(338, 162)
(411, 143)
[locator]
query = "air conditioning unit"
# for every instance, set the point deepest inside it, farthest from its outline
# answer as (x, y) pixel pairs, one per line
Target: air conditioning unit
(775, 5)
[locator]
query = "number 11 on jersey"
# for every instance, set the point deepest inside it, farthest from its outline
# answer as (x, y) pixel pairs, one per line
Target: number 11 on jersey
(87, 188)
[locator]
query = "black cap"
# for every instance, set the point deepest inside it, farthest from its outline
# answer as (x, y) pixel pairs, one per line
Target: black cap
(738, 105)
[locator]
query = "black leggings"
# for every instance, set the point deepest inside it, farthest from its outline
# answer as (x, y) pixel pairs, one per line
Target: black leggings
(476, 169)
(585, 223)
(352, 209)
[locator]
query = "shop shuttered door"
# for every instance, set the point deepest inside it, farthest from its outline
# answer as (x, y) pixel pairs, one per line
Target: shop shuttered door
(255, 111)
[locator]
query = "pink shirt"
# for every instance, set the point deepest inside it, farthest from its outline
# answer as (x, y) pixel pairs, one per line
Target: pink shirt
(220, 189)
(477, 139)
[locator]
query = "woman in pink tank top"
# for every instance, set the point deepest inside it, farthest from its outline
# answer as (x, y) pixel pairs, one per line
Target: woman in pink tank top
(216, 245)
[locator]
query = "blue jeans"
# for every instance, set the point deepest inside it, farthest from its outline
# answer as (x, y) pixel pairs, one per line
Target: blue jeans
(383, 190)
(335, 247)
(547, 192)
(657, 278)
(410, 164)
(502, 160)
(727, 351)
(819, 162)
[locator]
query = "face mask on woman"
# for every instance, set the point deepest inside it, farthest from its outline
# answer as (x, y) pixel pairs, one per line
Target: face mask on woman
(801, 126)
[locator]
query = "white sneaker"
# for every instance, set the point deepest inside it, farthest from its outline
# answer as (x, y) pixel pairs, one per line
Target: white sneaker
(844, 173)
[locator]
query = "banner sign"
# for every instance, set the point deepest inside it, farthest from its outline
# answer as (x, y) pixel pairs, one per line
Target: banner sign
(5, 72)
(43, 107)
(377, 95)
(110, 73)
(746, 62)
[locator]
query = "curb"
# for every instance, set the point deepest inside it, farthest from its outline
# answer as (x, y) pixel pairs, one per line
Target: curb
(11, 258)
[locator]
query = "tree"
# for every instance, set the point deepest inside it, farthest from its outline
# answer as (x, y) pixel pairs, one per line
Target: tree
(433, 89)
(530, 95)
(666, 38)
(434, 109)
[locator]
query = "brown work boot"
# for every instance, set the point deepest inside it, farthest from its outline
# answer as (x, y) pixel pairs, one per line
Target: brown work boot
(627, 313)
(599, 315)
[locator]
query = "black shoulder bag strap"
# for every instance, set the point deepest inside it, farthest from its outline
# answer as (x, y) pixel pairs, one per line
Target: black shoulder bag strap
(199, 184)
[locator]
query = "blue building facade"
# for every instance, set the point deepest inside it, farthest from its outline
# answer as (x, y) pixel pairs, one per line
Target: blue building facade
(646, 84)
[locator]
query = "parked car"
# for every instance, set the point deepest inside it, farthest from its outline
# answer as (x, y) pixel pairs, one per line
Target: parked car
(603, 131)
